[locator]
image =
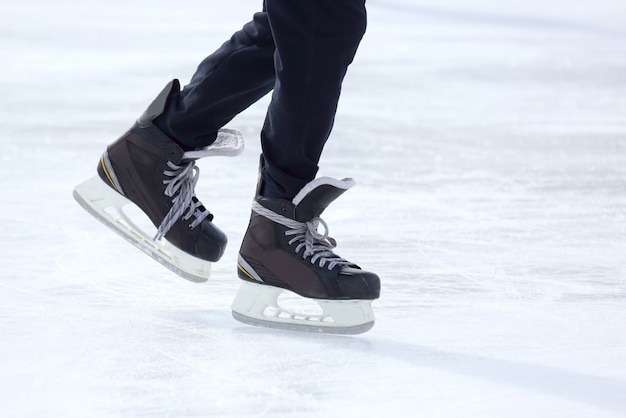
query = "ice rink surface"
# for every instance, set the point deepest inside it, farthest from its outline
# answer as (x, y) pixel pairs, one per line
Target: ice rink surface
(488, 140)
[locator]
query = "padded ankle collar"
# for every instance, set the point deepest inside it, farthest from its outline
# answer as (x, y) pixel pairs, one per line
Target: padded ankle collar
(158, 104)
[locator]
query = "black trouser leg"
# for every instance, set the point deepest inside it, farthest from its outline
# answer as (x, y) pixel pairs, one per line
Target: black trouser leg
(315, 42)
(301, 49)
(227, 82)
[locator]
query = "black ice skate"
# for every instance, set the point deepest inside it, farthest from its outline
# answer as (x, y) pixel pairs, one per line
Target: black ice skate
(283, 250)
(146, 168)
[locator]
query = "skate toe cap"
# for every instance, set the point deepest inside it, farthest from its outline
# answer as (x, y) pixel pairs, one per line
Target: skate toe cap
(212, 243)
(358, 284)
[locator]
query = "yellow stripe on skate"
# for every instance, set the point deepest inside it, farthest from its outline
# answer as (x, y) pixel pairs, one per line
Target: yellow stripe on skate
(104, 167)
(245, 272)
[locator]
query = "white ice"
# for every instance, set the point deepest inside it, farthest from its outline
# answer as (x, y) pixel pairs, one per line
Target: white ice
(488, 140)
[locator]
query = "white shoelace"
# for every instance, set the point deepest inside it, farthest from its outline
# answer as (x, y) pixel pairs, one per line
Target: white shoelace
(317, 246)
(180, 187)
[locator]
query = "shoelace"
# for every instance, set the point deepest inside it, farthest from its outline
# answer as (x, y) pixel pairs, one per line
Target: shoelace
(180, 187)
(317, 246)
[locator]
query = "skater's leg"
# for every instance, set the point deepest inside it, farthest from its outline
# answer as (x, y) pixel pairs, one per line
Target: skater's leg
(315, 42)
(152, 166)
(282, 248)
(228, 81)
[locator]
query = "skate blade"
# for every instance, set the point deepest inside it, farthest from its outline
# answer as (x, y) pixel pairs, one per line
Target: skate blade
(258, 305)
(106, 205)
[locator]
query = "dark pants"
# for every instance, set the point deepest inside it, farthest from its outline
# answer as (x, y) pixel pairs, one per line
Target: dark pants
(299, 48)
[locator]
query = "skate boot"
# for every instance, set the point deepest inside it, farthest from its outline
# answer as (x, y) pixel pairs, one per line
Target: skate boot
(283, 251)
(147, 169)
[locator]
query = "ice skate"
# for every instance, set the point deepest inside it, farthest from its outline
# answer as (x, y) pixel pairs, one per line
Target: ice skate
(283, 252)
(147, 169)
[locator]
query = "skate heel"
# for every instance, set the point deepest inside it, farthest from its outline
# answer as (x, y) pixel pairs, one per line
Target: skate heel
(107, 206)
(258, 304)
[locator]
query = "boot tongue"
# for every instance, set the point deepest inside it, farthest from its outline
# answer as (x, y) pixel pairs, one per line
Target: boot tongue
(228, 143)
(311, 201)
